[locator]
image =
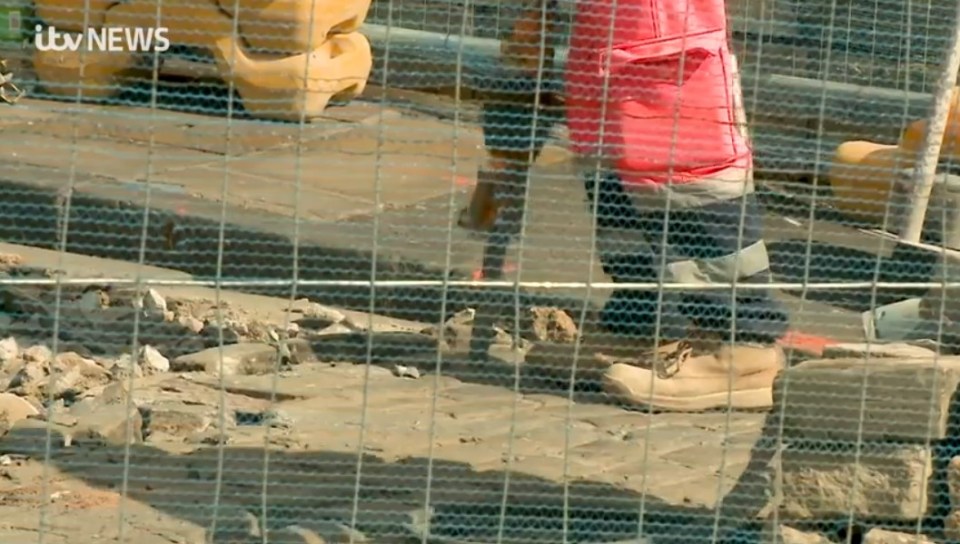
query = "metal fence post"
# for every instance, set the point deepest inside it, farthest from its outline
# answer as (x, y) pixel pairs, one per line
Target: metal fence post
(925, 170)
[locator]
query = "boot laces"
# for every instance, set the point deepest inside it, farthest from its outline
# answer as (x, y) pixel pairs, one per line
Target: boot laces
(665, 364)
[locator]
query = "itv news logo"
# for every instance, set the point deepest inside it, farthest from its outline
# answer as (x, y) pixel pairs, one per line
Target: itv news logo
(111, 39)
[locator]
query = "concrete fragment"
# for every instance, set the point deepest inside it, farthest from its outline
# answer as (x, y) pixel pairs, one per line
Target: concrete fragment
(242, 359)
(72, 375)
(28, 376)
(951, 526)
(14, 409)
(214, 329)
(190, 323)
(402, 371)
(152, 361)
(106, 425)
(92, 301)
(319, 316)
(896, 399)
(953, 482)
(293, 330)
(67, 375)
(278, 419)
(113, 392)
(38, 354)
(880, 536)
(873, 349)
(175, 418)
(124, 366)
(548, 324)
(9, 351)
(334, 330)
(153, 304)
(885, 481)
(9, 261)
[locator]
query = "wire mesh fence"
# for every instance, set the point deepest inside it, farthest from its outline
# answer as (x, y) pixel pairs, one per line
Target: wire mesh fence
(478, 272)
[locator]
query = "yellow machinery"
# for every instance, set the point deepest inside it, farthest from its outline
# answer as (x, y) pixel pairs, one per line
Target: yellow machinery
(316, 51)
(863, 174)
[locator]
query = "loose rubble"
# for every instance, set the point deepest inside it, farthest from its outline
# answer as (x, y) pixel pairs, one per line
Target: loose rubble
(95, 390)
(551, 325)
(181, 391)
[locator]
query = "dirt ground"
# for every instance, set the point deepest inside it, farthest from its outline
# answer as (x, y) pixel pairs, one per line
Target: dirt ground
(325, 441)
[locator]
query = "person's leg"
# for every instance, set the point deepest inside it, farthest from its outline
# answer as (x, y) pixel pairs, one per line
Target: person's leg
(628, 324)
(626, 255)
(718, 241)
(721, 242)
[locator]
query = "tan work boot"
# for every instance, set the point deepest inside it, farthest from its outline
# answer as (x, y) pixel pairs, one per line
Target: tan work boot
(698, 375)
(598, 350)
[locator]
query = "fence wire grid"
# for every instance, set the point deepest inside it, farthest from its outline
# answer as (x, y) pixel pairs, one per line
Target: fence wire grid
(386, 271)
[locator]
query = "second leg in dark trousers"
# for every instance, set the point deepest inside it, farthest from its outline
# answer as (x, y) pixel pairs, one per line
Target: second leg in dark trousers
(706, 336)
(719, 242)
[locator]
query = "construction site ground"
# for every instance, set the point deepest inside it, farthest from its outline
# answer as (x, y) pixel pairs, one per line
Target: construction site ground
(374, 188)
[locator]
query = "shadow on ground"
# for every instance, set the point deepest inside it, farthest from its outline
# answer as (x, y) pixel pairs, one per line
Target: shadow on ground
(832, 263)
(298, 487)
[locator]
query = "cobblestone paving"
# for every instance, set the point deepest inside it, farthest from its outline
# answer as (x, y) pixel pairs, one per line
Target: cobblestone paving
(447, 437)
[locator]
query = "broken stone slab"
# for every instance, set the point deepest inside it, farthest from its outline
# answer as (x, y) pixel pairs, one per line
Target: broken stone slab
(117, 392)
(176, 418)
(252, 358)
(124, 367)
(953, 482)
(190, 323)
(317, 316)
(37, 354)
(896, 399)
(213, 330)
(885, 481)
(67, 375)
(14, 409)
(881, 536)
(152, 304)
(105, 427)
(152, 361)
(73, 374)
(9, 351)
(92, 301)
